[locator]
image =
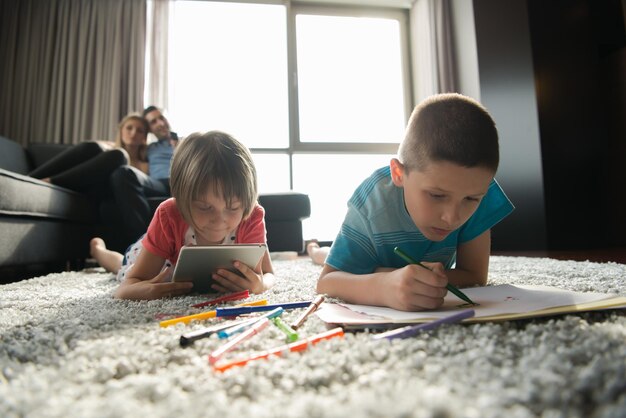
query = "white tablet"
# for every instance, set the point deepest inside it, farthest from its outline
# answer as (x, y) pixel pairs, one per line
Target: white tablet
(198, 263)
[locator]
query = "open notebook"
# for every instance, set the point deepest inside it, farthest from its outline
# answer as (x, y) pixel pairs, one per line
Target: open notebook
(495, 303)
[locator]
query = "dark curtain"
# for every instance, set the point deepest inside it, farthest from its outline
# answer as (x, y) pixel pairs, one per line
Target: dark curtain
(69, 69)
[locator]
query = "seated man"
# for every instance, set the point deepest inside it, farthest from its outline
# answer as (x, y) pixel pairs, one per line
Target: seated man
(132, 188)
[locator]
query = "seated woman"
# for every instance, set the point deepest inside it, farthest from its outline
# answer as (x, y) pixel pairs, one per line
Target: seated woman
(86, 167)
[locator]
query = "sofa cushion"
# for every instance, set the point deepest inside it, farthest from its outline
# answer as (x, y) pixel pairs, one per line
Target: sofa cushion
(25, 196)
(13, 157)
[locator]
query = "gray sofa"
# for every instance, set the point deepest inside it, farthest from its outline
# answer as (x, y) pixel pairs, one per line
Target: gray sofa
(47, 228)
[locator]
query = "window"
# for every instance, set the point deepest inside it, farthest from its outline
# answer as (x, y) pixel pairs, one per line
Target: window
(320, 94)
(228, 71)
(349, 79)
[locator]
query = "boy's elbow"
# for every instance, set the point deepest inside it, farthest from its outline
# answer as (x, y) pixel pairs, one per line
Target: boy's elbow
(477, 280)
(325, 283)
(482, 281)
(321, 286)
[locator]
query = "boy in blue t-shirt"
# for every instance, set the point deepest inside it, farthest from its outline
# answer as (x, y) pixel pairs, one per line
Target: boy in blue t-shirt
(437, 201)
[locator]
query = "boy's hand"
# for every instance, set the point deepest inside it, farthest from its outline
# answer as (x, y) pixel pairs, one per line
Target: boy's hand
(414, 288)
(155, 288)
(233, 282)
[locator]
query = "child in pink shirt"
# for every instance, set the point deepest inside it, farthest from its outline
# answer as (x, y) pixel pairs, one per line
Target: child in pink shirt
(214, 188)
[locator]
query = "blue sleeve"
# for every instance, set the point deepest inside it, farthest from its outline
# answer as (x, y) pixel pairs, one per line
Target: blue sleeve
(494, 207)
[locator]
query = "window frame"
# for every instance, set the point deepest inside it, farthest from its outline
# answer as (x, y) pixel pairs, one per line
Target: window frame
(295, 145)
(295, 8)
(336, 8)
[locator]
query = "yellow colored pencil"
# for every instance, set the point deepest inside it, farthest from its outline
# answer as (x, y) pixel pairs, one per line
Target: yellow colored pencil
(204, 315)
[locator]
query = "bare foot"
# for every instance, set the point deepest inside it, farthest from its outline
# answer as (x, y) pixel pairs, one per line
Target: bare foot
(96, 246)
(47, 180)
(311, 247)
(110, 260)
(318, 254)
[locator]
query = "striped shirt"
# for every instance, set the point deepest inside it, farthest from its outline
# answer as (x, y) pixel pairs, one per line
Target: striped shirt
(377, 222)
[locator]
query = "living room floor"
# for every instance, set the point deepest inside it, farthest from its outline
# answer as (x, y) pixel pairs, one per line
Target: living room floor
(617, 255)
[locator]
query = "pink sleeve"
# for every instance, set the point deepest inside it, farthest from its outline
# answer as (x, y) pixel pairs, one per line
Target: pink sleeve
(252, 230)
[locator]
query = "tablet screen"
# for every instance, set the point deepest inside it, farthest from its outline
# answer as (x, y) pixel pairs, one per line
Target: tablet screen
(198, 263)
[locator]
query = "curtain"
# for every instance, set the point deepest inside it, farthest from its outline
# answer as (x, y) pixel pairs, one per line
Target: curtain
(69, 69)
(433, 48)
(157, 59)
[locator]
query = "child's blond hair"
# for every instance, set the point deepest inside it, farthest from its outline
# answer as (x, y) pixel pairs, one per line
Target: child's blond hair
(212, 159)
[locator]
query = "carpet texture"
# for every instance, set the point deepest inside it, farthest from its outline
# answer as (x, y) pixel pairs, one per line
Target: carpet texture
(68, 349)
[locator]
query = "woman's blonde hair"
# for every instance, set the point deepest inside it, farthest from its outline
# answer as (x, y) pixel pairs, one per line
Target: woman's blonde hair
(213, 159)
(143, 149)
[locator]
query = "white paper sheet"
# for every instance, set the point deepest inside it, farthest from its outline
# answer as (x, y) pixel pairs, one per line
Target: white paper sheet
(492, 301)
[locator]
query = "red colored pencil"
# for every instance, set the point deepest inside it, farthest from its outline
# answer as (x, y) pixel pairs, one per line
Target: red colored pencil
(226, 298)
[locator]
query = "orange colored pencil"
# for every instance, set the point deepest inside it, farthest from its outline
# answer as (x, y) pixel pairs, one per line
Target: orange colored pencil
(293, 347)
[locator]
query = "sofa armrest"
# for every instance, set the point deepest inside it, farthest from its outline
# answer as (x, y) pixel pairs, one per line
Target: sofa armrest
(13, 157)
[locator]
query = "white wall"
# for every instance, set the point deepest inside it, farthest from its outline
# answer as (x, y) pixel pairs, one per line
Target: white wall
(464, 37)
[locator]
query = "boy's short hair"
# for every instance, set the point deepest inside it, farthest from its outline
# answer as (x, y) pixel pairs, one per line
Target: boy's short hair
(450, 127)
(212, 159)
(149, 109)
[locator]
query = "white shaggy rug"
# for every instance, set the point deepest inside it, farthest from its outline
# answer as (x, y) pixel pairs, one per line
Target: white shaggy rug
(68, 349)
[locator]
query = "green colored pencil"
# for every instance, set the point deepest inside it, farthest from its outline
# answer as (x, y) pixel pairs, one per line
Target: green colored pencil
(449, 286)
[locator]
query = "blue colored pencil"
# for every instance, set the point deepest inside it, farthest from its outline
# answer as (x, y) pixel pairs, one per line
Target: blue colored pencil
(241, 310)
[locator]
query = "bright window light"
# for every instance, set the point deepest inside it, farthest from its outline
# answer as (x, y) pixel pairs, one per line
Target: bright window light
(272, 172)
(349, 79)
(228, 71)
(330, 180)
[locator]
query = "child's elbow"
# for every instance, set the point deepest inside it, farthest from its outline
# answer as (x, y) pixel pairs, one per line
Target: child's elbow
(324, 282)
(122, 291)
(319, 288)
(269, 279)
(119, 293)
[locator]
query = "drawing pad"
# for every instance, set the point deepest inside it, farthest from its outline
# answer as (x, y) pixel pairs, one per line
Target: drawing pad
(198, 263)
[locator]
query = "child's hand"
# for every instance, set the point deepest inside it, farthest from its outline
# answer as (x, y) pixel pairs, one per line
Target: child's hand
(233, 282)
(155, 288)
(414, 288)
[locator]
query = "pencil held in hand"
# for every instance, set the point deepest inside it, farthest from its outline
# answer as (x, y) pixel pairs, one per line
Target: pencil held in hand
(449, 286)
